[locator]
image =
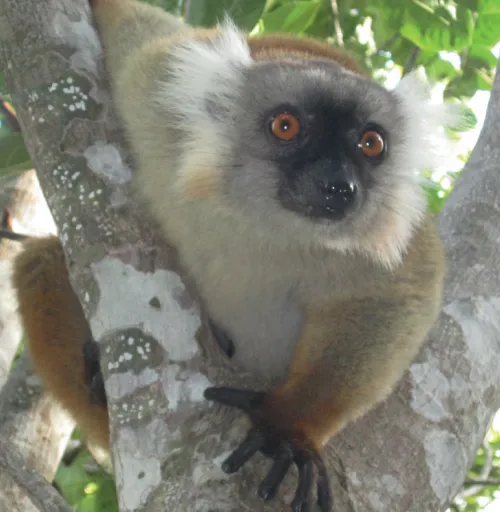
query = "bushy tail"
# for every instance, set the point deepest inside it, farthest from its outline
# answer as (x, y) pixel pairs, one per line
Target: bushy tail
(56, 329)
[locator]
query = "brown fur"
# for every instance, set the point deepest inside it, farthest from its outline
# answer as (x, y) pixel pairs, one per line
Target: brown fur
(367, 334)
(368, 339)
(56, 328)
(283, 46)
(339, 329)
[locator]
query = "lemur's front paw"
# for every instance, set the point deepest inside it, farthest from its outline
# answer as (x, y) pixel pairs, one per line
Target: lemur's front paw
(284, 446)
(93, 374)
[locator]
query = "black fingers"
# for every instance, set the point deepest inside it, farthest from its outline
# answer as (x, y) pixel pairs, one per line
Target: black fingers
(285, 447)
(242, 399)
(302, 500)
(222, 339)
(325, 500)
(93, 374)
(282, 462)
(245, 451)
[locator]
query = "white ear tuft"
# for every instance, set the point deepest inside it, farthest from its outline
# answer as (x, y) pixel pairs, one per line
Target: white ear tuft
(427, 144)
(205, 71)
(199, 92)
(234, 42)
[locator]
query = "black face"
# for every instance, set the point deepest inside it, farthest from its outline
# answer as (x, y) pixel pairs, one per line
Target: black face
(326, 155)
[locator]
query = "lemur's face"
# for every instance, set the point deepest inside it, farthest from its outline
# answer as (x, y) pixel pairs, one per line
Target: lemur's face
(306, 144)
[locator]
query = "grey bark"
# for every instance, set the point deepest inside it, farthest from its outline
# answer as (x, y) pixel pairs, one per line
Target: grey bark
(35, 426)
(410, 454)
(39, 492)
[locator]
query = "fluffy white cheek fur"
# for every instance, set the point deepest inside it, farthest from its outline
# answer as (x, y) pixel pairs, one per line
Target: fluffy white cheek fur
(425, 147)
(213, 70)
(204, 72)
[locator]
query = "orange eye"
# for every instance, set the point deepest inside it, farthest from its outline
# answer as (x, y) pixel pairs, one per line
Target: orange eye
(372, 144)
(285, 126)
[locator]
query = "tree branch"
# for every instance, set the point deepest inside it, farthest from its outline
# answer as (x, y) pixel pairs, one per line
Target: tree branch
(495, 482)
(412, 59)
(412, 452)
(336, 23)
(39, 491)
(33, 424)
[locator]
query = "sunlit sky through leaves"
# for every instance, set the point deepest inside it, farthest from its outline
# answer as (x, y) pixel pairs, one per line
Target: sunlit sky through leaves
(478, 103)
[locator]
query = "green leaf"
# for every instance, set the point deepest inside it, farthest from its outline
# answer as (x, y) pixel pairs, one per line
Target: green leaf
(434, 201)
(169, 5)
(466, 121)
(482, 53)
(386, 24)
(207, 13)
(322, 26)
(439, 69)
(469, 119)
(473, 5)
(295, 18)
(436, 31)
(487, 31)
(72, 481)
(2, 84)
(13, 154)
(484, 80)
(5, 131)
(87, 492)
(489, 6)
(401, 50)
(469, 83)
(100, 497)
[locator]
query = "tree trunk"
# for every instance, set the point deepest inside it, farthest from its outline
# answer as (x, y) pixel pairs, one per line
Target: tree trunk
(36, 428)
(40, 493)
(410, 454)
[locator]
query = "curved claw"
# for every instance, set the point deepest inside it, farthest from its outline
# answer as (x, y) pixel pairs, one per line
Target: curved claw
(325, 500)
(302, 500)
(282, 462)
(245, 451)
(283, 447)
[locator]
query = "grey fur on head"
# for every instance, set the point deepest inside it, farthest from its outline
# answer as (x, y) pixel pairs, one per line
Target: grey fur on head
(218, 96)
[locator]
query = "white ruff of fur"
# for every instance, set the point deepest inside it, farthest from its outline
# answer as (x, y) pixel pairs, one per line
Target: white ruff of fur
(426, 147)
(201, 72)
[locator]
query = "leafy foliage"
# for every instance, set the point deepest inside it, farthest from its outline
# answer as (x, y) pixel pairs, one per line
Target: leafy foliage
(13, 153)
(85, 488)
(451, 39)
(486, 469)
